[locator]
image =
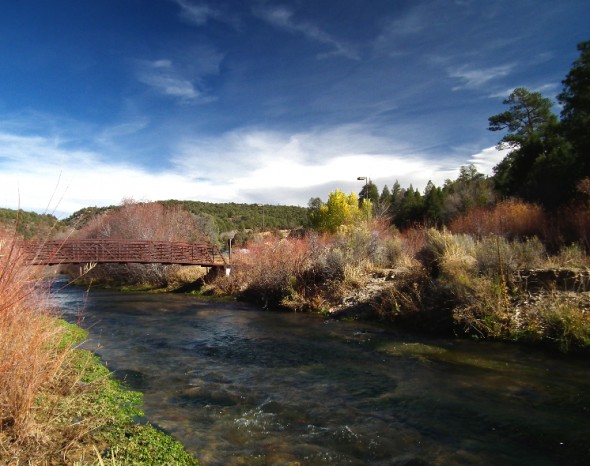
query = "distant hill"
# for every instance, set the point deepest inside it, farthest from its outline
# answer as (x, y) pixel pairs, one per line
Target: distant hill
(231, 216)
(30, 224)
(225, 216)
(81, 217)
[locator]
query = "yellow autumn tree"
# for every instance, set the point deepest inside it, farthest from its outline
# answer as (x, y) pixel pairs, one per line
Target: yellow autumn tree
(340, 210)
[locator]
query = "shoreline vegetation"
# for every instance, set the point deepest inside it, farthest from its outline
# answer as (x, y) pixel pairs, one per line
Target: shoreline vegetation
(425, 280)
(58, 403)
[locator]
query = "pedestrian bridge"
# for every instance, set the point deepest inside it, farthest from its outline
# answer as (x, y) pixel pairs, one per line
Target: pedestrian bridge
(72, 251)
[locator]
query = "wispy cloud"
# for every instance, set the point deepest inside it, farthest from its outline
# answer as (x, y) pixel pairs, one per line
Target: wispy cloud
(282, 18)
(473, 78)
(181, 77)
(487, 159)
(549, 88)
(110, 135)
(165, 79)
(409, 24)
(199, 14)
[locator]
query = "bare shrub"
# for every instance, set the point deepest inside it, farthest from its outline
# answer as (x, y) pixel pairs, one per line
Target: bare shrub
(334, 264)
(511, 219)
(390, 253)
(270, 270)
(413, 241)
(573, 225)
(142, 221)
(356, 243)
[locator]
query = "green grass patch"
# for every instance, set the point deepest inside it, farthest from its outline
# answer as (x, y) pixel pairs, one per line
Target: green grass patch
(114, 410)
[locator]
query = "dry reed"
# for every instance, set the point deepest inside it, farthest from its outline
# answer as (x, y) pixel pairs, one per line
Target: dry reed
(31, 353)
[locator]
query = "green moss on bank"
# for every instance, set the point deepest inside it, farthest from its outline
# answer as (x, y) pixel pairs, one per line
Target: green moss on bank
(100, 418)
(122, 439)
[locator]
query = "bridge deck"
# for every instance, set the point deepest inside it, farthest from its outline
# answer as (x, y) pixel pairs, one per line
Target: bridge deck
(117, 251)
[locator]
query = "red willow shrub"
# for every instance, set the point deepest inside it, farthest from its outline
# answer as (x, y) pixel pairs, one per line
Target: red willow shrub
(511, 219)
(269, 269)
(144, 221)
(141, 221)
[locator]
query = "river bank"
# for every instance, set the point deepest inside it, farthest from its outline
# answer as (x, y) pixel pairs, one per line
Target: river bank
(58, 403)
(432, 282)
(101, 420)
(85, 416)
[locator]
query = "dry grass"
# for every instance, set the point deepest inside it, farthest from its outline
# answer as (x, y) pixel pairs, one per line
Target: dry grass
(32, 352)
(309, 273)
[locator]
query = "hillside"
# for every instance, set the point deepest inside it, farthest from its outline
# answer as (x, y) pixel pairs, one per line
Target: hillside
(226, 217)
(29, 224)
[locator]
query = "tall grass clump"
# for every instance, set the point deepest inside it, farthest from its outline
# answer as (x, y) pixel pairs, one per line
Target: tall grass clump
(489, 300)
(555, 320)
(478, 276)
(31, 356)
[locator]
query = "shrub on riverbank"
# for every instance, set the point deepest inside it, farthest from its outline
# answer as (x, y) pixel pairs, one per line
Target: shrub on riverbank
(58, 405)
(310, 273)
(431, 280)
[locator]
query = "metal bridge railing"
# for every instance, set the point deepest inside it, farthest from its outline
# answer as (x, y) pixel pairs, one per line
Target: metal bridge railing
(120, 251)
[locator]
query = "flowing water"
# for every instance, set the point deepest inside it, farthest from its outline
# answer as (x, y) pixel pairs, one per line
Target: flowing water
(237, 385)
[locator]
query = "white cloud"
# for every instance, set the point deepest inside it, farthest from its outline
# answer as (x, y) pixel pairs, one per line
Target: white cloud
(551, 88)
(111, 134)
(487, 159)
(167, 80)
(472, 78)
(183, 77)
(282, 18)
(251, 161)
(33, 170)
(198, 14)
(245, 165)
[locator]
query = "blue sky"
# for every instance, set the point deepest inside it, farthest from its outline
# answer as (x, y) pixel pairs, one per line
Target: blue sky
(261, 101)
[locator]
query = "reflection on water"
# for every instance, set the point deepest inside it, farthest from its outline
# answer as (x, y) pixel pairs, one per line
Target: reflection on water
(241, 386)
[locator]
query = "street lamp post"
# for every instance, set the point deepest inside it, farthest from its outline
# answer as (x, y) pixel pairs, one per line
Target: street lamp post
(366, 180)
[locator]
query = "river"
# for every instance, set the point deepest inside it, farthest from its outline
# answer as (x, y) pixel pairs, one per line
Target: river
(242, 386)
